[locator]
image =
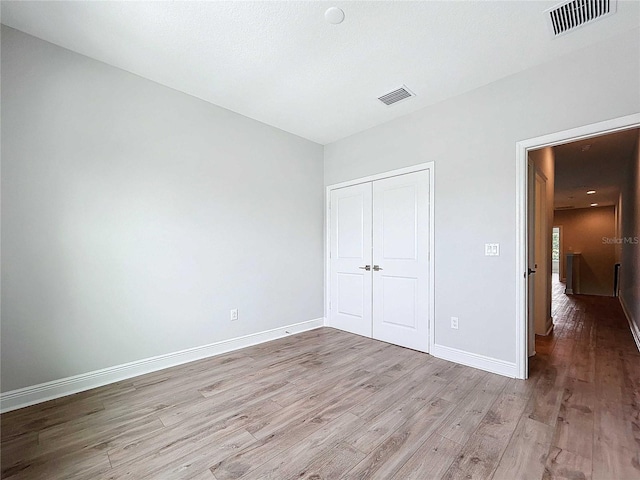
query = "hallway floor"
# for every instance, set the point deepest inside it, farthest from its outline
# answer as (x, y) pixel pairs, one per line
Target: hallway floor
(591, 368)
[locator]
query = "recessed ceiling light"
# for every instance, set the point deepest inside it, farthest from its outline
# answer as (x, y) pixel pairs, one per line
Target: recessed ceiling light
(594, 204)
(591, 192)
(334, 15)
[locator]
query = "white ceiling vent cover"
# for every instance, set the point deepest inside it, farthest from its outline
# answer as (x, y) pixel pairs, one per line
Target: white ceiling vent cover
(396, 96)
(568, 16)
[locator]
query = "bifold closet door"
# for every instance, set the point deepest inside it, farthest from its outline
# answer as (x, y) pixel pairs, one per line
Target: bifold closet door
(350, 259)
(401, 260)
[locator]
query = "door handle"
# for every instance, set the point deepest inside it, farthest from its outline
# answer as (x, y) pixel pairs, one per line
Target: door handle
(530, 272)
(366, 267)
(377, 268)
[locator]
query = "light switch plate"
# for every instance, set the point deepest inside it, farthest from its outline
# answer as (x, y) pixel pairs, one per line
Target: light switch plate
(492, 249)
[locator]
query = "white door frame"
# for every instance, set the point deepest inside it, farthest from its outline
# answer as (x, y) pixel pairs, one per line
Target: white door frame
(542, 268)
(522, 147)
(327, 242)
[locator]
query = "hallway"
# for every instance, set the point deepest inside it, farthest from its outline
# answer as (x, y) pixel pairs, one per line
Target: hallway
(589, 367)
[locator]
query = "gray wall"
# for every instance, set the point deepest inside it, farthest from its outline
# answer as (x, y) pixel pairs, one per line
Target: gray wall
(134, 217)
(630, 254)
(472, 139)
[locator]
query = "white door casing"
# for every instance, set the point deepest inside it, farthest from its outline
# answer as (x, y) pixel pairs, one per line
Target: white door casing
(401, 251)
(350, 251)
(531, 229)
(540, 256)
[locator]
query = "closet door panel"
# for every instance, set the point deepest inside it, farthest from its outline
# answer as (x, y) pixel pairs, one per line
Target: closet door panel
(350, 254)
(401, 260)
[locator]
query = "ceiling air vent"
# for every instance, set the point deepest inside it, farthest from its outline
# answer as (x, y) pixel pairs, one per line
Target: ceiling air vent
(396, 96)
(570, 15)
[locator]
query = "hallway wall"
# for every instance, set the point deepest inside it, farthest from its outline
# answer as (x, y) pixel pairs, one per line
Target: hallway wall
(630, 233)
(544, 161)
(584, 231)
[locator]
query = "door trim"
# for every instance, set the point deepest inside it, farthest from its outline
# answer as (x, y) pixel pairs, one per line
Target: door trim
(522, 147)
(561, 251)
(430, 166)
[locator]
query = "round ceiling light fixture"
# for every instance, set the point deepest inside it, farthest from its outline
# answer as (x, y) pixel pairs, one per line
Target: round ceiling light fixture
(334, 15)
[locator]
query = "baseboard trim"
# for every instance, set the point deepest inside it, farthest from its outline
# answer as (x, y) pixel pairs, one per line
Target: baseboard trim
(489, 364)
(43, 392)
(550, 329)
(635, 330)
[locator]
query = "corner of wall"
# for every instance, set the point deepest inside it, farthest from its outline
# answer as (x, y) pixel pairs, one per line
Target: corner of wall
(629, 221)
(24, 397)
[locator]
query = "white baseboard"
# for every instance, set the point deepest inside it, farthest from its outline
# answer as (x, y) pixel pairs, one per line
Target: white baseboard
(24, 397)
(550, 329)
(493, 365)
(635, 330)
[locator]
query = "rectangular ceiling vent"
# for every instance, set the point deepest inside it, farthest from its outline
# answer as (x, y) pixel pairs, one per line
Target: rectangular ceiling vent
(570, 15)
(396, 96)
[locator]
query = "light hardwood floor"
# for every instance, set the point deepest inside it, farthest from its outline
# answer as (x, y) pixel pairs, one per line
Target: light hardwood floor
(327, 404)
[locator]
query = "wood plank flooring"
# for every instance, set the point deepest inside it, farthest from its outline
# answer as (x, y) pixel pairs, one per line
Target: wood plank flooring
(326, 404)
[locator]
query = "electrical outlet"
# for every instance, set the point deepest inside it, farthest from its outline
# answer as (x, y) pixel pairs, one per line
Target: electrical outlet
(234, 314)
(454, 323)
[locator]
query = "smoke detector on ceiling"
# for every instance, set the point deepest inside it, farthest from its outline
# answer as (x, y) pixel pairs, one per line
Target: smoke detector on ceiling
(396, 95)
(334, 15)
(567, 16)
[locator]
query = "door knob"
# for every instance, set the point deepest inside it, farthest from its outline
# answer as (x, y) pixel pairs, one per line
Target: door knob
(377, 268)
(366, 267)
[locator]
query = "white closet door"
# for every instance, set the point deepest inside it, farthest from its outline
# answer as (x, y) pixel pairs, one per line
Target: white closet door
(350, 255)
(401, 251)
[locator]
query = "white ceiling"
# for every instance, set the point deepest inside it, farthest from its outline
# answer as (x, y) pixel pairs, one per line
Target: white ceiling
(599, 163)
(283, 64)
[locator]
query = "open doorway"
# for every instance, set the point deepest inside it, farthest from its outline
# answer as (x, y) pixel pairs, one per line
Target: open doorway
(528, 208)
(556, 253)
(575, 188)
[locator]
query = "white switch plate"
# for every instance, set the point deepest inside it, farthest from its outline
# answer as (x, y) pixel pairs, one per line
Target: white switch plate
(454, 323)
(234, 314)
(492, 249)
